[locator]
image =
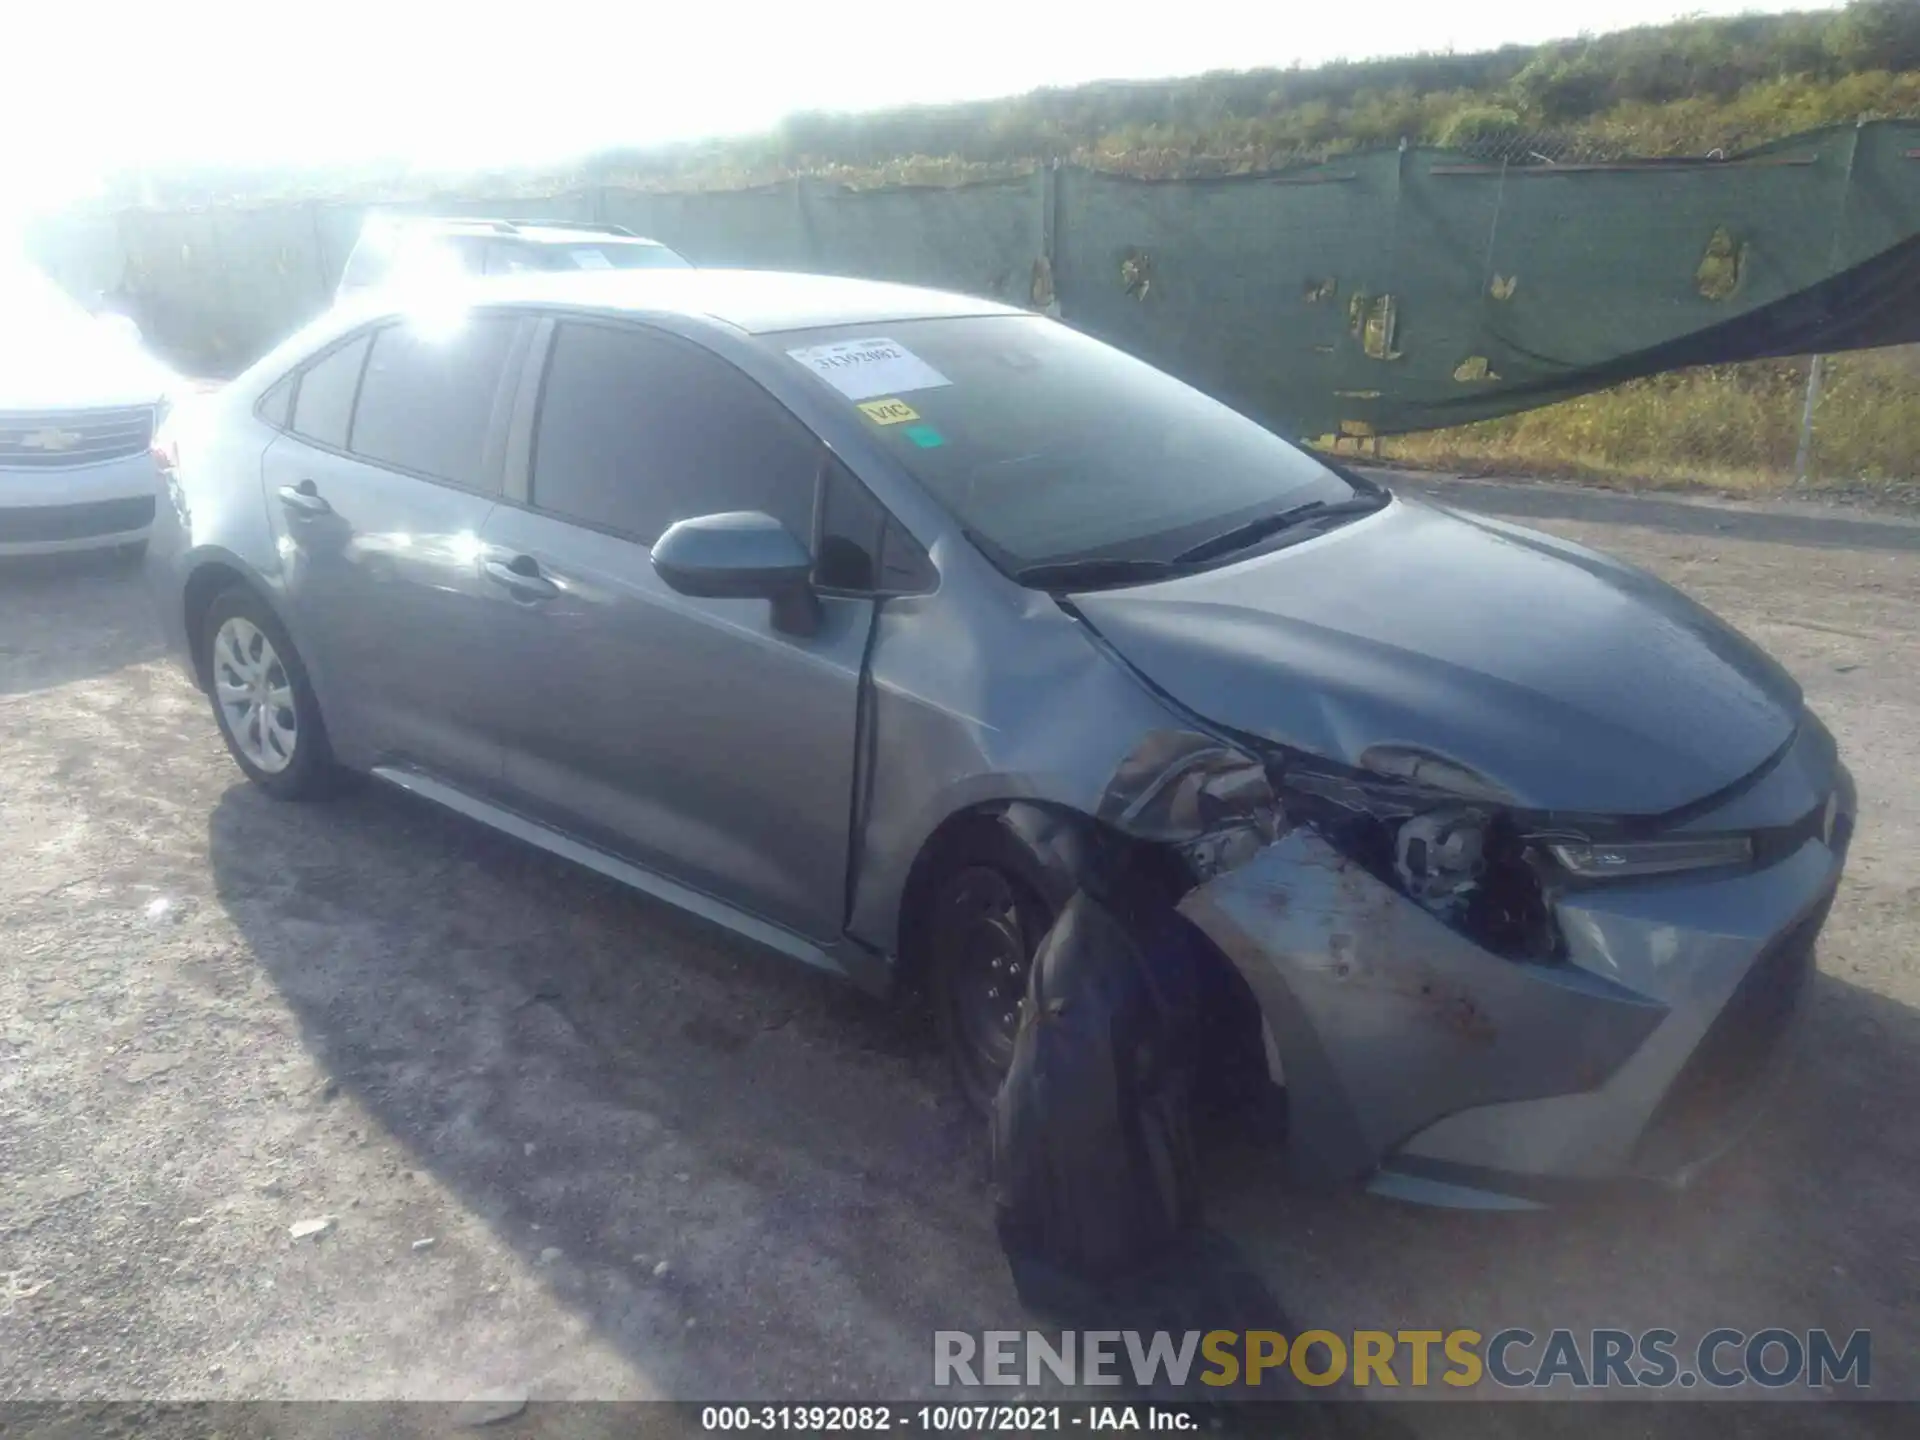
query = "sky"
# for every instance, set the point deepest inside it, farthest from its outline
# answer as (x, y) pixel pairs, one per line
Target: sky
(94, 88)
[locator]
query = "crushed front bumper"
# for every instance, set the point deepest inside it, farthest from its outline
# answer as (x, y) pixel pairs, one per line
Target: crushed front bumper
(1440, 1072)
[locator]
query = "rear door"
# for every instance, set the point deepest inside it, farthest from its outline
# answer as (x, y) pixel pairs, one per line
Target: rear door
(379, 495)
(689, 735)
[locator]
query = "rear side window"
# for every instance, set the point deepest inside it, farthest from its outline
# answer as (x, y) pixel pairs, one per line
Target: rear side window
(324, 404)
(429, 399)
(638, 430)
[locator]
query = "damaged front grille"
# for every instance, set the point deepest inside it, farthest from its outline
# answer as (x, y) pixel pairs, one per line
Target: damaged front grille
(1734, 1054)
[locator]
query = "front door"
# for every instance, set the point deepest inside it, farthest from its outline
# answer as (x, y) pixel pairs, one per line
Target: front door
(691, 735)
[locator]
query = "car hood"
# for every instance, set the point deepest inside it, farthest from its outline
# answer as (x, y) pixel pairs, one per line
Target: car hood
(1570, 680)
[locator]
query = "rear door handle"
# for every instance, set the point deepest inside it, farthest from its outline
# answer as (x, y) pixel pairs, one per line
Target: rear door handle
(522, 576)
(304, 498)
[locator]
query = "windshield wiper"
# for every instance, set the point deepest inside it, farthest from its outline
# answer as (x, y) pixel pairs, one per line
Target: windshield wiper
(1259, 528)
(1094, 574)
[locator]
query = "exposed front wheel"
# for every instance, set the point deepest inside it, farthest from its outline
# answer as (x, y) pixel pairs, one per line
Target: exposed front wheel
(263, 701)
(983, 927)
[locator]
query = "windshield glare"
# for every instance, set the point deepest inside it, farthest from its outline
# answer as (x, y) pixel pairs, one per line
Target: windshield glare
(1051, 447)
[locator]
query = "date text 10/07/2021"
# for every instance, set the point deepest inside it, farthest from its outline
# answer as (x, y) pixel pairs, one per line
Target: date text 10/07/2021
(948, 1419)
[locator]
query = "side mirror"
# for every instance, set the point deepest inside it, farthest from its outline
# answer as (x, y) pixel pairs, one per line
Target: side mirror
(741, 555)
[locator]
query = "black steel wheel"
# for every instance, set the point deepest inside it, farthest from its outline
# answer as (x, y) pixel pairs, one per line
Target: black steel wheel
(984, 926)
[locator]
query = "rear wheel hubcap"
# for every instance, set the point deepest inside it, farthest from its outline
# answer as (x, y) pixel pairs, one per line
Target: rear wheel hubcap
(255, 695)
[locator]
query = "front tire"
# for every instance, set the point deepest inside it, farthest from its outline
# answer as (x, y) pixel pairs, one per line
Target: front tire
(984, 924)
(263, 700)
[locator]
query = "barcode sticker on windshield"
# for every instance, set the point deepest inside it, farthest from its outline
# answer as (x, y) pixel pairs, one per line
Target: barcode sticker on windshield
(862, 369)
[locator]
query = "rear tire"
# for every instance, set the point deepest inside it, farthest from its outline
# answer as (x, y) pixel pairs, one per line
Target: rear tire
(263, 701)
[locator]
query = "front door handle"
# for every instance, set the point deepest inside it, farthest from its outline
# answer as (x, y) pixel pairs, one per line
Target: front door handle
(522, 576)
(305, 498)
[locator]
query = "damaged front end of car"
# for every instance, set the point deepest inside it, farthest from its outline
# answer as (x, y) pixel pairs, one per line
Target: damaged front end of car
(1460, 1001)
(1452, 987)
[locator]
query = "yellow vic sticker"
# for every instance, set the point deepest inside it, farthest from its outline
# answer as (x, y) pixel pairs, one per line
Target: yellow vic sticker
(888, 412)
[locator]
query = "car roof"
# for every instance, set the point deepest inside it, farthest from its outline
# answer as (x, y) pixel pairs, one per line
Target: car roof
(756, 301)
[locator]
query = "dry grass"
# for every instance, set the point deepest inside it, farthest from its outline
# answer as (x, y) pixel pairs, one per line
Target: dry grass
(1728, 427)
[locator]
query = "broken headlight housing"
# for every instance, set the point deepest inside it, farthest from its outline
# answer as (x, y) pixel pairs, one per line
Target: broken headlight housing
(1439, 835)
(1426, 826)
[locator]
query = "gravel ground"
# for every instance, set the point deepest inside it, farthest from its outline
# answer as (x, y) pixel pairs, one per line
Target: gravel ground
(568, 1143)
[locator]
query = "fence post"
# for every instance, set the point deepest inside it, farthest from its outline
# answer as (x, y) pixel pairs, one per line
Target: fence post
(324, 278)
(1049, 228)
(1803, 461)
(803, 216)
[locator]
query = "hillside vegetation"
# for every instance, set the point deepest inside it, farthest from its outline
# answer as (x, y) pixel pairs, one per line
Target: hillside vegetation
(1686, 88)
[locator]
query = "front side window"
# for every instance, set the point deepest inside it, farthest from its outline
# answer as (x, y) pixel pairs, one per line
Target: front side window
(1051, 447)
(323, 405)
(429, 398)
(638, 430)
(860, 546)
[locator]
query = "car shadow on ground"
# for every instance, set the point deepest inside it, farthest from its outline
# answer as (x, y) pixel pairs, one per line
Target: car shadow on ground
(72, 617)
(597, 1075)
(610, 1085)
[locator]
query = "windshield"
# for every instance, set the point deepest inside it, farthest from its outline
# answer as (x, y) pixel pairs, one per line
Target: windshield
(1051, 447)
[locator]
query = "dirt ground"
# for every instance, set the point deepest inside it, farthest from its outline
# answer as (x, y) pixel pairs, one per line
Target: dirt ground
(572, 1144)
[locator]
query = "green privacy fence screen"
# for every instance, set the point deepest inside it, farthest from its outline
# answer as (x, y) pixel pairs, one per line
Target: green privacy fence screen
(1379, 292)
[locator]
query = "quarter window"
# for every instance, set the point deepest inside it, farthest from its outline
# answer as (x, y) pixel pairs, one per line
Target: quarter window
(324, 404)
(276, 406)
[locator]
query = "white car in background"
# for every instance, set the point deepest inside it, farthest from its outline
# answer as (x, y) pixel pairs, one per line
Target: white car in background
(419, 251)
(80, 400)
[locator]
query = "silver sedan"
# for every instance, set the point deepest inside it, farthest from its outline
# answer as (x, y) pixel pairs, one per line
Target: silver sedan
(856, 618)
